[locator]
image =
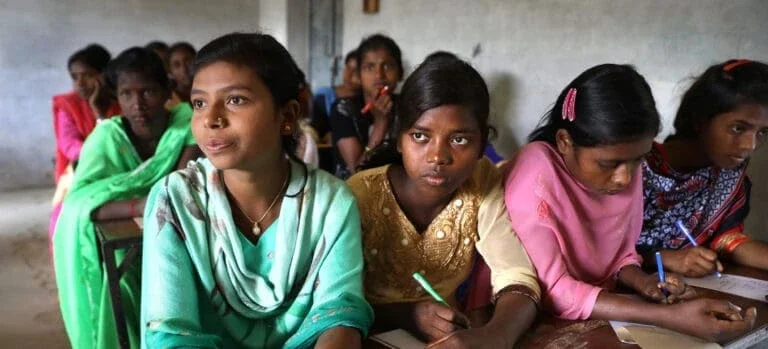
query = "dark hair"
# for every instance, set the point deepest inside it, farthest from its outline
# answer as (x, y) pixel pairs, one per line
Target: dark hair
(441, 55)
(93, 55)
(350, 56)
(613, 105)
(156, 45)
(181, 46)
(378, 42)
(269, 60)
(722, 88)
(444, 80)
(137, 60)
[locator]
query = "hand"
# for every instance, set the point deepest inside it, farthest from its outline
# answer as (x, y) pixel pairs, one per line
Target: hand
(473, 338)
(99, 99)
(692, 262)
(433, 321)
(710, 319)
(651, 288)
(381, 108)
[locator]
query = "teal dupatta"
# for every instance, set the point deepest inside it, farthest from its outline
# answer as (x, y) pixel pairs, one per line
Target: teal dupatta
(199, 289)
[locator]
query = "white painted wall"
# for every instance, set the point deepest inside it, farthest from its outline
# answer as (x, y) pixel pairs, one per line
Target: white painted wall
(37, 37)
(532, 48)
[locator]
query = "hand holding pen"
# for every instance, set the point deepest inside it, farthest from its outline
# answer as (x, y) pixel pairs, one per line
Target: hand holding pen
(696, 261)
(435, 320)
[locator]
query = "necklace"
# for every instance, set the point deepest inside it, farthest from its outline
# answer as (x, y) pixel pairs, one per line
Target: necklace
(256, 230)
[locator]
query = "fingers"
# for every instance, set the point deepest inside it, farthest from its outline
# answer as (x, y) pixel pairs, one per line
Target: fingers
(706, 253)
(456, 319)
(719, 266)
(734, 328)
(723, 309)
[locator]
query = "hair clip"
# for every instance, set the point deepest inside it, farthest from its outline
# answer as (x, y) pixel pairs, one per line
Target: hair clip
(728, 67)
(569, 105)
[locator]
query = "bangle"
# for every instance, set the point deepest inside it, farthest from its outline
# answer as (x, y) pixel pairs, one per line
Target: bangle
(518, 290)
(132, 208)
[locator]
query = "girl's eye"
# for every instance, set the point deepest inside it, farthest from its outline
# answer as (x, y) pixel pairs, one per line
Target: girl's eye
(762, 133)
(419, 137)
(123, 93)
(460, 140)
(198, 104)
(236, 100)
(608, 164)
(737, 129)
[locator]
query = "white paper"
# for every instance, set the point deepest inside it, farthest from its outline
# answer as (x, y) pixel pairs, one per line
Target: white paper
(652, 337)
(398, 339)
(733, 284)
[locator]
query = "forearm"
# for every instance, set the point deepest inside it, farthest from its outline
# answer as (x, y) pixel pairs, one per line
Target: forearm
(339, 337)
(512, 316)
(119, 210)
(751, 253)
(632, 276)
(611, 306)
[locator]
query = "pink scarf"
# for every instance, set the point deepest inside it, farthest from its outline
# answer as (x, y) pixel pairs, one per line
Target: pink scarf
(578, 240)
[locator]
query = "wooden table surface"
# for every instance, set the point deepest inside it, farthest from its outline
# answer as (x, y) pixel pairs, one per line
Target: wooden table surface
(550, 333)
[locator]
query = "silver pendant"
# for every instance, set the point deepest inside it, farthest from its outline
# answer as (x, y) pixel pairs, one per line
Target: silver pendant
(256, 230)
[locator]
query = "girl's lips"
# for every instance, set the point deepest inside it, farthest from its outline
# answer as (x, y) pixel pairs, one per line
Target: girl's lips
(215, 146)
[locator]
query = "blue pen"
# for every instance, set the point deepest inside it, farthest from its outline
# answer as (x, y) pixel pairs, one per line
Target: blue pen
(660, 268)
(688, 235)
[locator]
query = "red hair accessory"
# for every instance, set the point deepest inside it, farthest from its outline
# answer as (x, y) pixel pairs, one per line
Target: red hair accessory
(728, 67)
(569, 105)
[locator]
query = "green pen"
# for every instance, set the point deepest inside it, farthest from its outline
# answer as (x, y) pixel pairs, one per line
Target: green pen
(427, 287)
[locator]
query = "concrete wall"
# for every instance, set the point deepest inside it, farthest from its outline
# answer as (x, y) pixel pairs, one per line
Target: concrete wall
(530, 49)
(37, 37)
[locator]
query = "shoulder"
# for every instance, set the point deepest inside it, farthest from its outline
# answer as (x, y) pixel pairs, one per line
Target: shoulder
(364, 182)
(109, 128)
(485, 176)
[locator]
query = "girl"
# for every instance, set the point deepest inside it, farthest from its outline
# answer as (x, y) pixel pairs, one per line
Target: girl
(75, 115)
(250, 247)
(698, 175)
(119, 162)
(574, 197)
(355, 128)
(180, 58)
(433, 212)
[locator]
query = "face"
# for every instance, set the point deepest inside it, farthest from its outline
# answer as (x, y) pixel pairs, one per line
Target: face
(441, 149)
(84, 78)
(350, 76)
(378, 69)
(181, 68)
(729, 139)
(142, 100)
(604, 169)
(235, 120)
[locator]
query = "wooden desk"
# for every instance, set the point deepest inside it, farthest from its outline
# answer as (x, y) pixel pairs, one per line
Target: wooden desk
(550, 333)
(113, 236)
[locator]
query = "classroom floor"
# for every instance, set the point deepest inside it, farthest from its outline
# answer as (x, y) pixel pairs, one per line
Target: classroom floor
(29, 310)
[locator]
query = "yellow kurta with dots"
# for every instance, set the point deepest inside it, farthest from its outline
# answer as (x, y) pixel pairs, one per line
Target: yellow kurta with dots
(445, 251)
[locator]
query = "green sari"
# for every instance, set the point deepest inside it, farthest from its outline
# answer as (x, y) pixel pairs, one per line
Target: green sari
(109, 169)
(209, 287)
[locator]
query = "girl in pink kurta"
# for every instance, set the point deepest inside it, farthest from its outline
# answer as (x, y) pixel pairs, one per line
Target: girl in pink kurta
(574, 197)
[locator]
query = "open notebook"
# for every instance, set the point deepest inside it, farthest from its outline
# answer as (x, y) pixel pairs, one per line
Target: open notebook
(398, 339)
(652, 337)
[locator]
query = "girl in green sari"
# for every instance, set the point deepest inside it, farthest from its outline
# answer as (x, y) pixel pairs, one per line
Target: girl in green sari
(251, 247)
(119, 163)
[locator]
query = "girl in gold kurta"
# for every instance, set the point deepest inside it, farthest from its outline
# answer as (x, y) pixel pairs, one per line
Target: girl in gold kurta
(439, 209)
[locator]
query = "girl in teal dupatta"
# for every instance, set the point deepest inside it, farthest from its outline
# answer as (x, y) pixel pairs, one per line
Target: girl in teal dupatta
(251, 247)
(119, 163)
